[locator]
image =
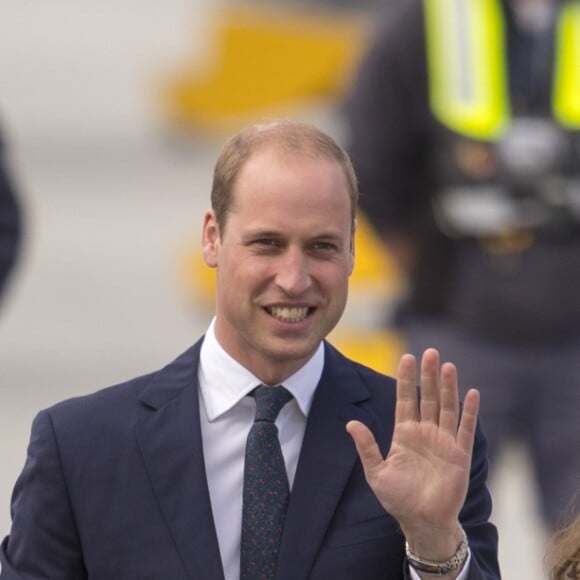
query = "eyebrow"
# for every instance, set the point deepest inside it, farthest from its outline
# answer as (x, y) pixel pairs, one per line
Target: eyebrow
(268, 233)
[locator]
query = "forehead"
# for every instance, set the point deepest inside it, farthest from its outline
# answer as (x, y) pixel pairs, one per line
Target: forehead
(271, 176)
(301, 196)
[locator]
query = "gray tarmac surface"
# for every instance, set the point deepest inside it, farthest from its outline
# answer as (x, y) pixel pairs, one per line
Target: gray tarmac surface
(112, 204)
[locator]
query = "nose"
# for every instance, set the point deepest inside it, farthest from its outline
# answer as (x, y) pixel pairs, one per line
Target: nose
(293, 275)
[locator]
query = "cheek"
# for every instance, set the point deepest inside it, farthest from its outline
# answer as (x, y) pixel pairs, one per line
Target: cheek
(335, 279)
(256, 269)
(242, 273)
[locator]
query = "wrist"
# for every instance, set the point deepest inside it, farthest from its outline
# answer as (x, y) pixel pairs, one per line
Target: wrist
(434, 543)
(443, 567)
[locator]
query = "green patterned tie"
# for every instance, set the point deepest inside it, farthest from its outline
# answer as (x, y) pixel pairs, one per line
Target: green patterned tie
(266, 491)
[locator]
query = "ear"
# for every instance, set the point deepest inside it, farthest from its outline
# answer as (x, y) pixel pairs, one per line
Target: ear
(210, 240)
(352, 244)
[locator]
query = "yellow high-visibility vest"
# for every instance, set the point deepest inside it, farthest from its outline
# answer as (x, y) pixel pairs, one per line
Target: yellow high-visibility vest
(467, 66)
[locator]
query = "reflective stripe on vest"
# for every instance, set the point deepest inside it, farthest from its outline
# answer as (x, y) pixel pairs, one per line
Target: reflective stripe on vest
(566, 97)
(468, 87)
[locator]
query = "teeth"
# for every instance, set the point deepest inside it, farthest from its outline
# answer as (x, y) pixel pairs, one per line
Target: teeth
(286, 314)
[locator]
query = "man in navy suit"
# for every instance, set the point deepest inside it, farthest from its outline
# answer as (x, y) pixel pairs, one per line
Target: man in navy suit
(144, 480)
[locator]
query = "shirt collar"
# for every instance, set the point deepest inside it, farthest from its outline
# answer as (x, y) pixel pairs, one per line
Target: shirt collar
(224, 382)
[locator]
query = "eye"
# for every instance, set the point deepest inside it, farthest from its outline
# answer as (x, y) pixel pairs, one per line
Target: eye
(265, 245)
(323, 246)
(267, 242)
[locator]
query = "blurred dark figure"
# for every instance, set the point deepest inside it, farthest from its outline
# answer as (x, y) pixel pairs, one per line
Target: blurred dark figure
(10, 223)
(464, 128)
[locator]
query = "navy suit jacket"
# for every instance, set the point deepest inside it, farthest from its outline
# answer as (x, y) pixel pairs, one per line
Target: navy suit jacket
(114, 488)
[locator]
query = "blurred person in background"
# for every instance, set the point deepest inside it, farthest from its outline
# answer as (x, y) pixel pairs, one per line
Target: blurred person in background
(563, 557)
(10, 222)
(463, 124)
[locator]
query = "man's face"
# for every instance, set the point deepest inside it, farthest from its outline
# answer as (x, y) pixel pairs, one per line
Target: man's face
(282, 262)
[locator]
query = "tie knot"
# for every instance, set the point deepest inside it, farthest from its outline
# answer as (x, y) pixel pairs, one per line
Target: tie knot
(269, 401)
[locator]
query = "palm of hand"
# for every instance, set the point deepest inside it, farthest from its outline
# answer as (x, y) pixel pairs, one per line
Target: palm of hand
(424, 476)
(423, 480)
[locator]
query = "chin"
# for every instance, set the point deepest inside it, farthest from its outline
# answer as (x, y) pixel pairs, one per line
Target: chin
(292, 351)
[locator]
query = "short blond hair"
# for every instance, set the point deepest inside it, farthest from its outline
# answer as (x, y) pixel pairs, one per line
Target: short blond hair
(288, 137)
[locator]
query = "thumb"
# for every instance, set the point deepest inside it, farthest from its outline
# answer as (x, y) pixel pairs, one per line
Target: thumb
(366, 446)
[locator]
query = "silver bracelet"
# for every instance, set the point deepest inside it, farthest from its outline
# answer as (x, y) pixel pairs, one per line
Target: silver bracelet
(439, 568)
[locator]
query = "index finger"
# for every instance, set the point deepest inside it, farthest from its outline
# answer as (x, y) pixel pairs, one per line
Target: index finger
(407, 407)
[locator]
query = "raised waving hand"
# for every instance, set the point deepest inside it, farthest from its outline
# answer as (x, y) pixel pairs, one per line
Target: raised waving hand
(423, 480)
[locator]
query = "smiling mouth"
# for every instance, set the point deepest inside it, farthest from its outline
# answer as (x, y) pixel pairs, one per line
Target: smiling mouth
(289, 313)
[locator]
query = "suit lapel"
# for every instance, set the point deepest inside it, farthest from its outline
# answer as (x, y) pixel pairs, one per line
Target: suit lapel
(326, 460)
(169, 436)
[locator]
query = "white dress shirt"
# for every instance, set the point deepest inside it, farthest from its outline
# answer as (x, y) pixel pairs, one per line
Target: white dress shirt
(226, 415)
